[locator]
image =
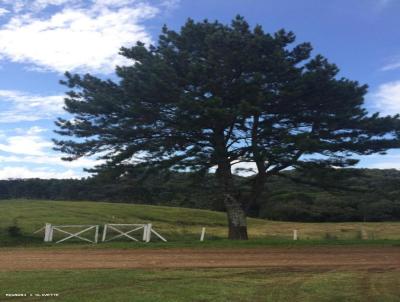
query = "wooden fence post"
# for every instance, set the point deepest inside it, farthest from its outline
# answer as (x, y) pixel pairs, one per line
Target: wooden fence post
(104, 232)
(96, 235)
(203, 232)
(148, 229)
(145, 232)
(48, 230)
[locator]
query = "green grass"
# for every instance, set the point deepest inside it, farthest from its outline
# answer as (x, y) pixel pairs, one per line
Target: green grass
(180, 225)
(203, 285)
(182, 228)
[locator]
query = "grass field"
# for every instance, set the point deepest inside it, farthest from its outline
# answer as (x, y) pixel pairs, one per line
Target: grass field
(182, 228)
(177, 224)
(215, 285)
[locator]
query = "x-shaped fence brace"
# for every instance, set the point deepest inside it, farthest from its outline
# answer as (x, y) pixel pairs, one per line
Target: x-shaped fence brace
(151, 230)
(49, 231)
(114, 227)
(147, 231)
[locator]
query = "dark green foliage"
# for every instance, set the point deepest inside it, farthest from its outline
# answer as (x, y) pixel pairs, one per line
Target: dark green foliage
(338, 195)
(175, 190)
(14, 231)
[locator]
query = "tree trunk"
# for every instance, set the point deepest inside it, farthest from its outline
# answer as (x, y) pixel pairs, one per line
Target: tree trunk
(236, 214)
(236, 218)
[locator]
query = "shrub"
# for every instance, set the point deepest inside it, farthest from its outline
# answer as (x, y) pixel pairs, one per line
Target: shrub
(14, 231)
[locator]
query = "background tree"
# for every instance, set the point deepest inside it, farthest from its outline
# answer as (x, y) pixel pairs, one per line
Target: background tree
(214, 96)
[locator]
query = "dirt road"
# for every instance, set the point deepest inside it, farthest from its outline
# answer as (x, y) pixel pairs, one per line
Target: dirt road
(380, 258)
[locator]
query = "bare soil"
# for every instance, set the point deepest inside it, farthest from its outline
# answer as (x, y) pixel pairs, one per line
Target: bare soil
(374, 258)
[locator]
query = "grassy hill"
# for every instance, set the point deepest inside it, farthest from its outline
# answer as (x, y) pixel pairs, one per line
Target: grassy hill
(177, 224)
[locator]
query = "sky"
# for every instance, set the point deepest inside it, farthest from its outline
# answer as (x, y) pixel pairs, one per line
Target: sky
(41, 39)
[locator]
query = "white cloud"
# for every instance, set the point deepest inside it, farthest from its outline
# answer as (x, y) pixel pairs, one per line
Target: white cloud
(49, 159)
(23, 106)
(170, 4)
(30, 147)
(32, 131)
(42, 4)
(23, 172)
(387, 98)
(75, 38)
(112, 3)
(385, 165)
(3, 11)
(29, 144)
(34, 151)
(391, 63)
(38, 5)
(391, 66)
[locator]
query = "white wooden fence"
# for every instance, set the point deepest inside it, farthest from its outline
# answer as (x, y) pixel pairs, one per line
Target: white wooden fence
(118, 228)
(49, 230)
(126, 230)
(122, 230)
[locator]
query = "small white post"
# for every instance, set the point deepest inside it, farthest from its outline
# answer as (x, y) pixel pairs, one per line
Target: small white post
(96, 234)
(104, 233)
(51, 233)
(144, 232)
(295, 235)
(48, 237)
(203, 232)
(148, 237)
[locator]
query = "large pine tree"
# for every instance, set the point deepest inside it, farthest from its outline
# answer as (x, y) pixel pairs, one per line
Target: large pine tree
(213, 96)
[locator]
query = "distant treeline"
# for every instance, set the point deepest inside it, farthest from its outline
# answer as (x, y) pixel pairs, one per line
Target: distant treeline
(334, 195)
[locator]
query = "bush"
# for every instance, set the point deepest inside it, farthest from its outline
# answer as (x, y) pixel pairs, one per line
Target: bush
(14, 231)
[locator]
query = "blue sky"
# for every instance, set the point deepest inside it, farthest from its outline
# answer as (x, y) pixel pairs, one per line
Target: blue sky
(40, 39)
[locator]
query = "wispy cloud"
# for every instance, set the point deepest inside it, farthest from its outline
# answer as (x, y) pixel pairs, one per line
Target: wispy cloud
(28, 6)
(32, 146)
(78, 36)
(394, 63)
(49, 159)
(392, 66)
(22, 106)
(386, 99)
(30, 143)
(24, 172)
(386, 165)
(32, 152)
(3, 11)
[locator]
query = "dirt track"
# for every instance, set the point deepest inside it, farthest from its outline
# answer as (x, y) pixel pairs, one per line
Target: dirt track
(380, 258)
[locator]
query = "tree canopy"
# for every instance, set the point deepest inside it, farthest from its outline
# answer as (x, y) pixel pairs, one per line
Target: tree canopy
(217, 96)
